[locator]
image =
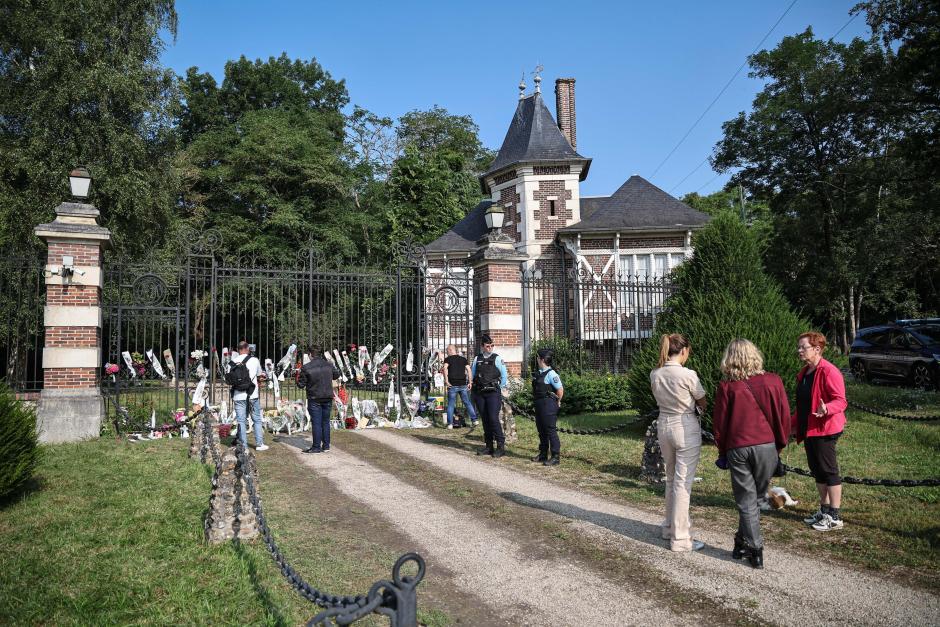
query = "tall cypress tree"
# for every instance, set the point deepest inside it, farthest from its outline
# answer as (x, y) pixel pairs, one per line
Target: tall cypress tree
(723, 293)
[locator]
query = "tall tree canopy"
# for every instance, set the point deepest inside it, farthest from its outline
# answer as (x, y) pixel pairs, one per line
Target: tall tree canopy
(264, 157)
(85, 87)
(820, 145)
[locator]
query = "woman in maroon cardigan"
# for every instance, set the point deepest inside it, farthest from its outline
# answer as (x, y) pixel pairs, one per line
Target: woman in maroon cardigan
(819, 419)
(752, 423)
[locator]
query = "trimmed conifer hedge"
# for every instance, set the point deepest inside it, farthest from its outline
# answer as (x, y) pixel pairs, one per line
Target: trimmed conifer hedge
(19, 442)
(723, 293)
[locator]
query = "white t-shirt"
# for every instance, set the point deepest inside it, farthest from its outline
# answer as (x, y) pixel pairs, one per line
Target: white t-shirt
(254, 369)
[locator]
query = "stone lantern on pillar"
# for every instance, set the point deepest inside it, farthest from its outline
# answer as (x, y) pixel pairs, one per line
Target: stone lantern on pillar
(70, 405)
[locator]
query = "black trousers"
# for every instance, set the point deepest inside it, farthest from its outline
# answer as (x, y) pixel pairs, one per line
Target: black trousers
(488, 406)
(546, 422)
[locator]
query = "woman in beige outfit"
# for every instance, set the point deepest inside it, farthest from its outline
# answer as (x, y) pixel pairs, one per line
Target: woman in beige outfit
(677, 391)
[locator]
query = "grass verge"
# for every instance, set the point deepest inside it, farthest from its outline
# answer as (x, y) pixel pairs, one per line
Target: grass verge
(112, 533)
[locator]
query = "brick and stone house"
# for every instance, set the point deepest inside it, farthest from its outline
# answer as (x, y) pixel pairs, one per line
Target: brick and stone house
(605, 244)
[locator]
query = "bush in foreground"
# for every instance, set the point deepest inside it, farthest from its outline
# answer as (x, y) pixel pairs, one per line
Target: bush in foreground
(723, 293)
(584, 394)
(19, 443)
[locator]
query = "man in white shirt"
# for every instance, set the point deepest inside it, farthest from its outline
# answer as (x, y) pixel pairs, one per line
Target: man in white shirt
(243, 399)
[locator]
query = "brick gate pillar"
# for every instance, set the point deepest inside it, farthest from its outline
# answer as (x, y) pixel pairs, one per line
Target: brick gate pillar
(70, 406)
(497, 297)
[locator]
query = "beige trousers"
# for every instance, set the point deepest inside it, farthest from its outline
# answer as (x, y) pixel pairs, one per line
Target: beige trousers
(680, 440)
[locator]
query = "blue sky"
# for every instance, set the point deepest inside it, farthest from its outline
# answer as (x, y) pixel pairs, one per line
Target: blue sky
(645, 71)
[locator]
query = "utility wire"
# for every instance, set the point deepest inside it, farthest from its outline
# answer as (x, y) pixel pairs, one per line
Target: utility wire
(723, 89)
(704, 161)
(844, 26)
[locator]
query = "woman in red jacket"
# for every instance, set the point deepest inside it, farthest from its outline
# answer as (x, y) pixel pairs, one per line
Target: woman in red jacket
(820, 419)
(752, 423)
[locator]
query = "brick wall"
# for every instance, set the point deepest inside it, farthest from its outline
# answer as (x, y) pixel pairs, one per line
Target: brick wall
(505, 177)
(565, 109)
(606, 243)
(77, 337)
(546, 225)
(84, 254)
(72, 295)
(69, 378)
(496, 272)
(496, 305)
(677, 241)
(551, 170)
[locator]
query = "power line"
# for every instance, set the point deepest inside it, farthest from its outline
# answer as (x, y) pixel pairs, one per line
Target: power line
(844, 26)
(723, 89)
(710, 181)
(704, 161)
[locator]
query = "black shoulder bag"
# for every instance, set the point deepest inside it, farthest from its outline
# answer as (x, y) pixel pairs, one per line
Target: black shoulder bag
(779, 471)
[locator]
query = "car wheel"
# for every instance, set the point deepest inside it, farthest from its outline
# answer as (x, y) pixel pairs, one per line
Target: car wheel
(859, 371)
(922, 377)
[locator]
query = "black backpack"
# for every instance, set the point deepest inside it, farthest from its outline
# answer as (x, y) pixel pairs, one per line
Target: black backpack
(239, 378)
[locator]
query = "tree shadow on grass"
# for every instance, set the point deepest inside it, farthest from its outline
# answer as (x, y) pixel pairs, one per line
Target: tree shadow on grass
(264, 597)
(29, 487)
(626, 527)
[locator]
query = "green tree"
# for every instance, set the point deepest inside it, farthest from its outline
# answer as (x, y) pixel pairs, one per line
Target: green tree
(434, 181)
(814, 144)
(265, 160)
(722, 293)
(84, 86)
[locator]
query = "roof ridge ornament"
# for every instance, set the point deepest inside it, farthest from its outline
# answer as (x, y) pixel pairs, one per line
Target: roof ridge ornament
(522, 86)
(538, 78)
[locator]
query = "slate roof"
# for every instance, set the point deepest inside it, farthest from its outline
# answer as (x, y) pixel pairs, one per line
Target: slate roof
(590, 204)
(638, 205)
(533, 136)
(464, 235)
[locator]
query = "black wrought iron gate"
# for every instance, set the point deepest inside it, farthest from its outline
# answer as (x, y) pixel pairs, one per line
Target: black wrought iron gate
(168, 325)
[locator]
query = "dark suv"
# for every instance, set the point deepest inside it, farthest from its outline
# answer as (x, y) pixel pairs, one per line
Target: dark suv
(910, 352)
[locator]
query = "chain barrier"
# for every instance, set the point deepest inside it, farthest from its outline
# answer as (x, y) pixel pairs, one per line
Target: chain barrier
(872, 410)
(617, 427)
(397, 599)
(888, 483)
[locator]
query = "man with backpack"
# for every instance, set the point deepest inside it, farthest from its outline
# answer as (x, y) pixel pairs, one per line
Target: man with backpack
(489, 379)
(243, 372)
(318, 377)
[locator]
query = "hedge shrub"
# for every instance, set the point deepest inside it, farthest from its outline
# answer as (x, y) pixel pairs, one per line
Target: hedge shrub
(723, 293)
(584, 394)
(19, 442)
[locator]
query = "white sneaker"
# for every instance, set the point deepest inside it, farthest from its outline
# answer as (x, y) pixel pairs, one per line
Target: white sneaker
(815, 518)
(262, 447)
(450, 426)
(697, 545)
(828, 523)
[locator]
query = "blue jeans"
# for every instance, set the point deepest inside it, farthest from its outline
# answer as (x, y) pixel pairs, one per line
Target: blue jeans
(240, 415)
(452, 393)
(320, 419)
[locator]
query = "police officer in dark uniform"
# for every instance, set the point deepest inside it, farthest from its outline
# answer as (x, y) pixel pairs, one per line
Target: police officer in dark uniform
(489, 378)
(318, 377)
(547, 392)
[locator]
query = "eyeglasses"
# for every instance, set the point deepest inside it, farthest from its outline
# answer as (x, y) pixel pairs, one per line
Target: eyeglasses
(800, 349)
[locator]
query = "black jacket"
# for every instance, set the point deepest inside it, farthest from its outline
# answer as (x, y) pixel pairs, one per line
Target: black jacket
(317, 377)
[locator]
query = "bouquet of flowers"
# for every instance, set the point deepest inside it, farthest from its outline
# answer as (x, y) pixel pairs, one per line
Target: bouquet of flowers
(140, 364)
(112, 369)
(196, 367)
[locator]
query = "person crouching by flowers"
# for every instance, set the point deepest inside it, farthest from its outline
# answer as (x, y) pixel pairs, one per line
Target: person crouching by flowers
(678, 391)
(751, 420)
(819, 420)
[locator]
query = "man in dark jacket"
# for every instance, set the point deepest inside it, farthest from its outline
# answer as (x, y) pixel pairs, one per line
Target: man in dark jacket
(318, 377)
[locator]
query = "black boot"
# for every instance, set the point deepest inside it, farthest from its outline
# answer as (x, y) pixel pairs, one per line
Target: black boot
(756, 557)
(541, 457)
(486, 450)
(553, 461)
(739, 549)
(500, 450)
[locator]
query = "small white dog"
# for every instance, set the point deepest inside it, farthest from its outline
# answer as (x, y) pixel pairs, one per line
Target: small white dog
(779, 498)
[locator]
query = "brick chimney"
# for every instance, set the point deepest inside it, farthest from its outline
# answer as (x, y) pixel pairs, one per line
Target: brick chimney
(564, 109)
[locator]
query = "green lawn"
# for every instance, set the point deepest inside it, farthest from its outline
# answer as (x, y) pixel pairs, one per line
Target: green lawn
(112, 533)
(892, 530)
